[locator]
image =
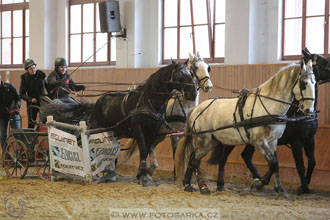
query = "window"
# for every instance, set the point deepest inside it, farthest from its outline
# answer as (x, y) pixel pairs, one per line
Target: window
(305, 24)
(14, 32)
(193, 26)
(86, 42)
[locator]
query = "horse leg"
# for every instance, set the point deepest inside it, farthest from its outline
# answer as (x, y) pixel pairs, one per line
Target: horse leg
(309, 151)
(247, 155)
(269, 152)
(221, 169)
(153, 161)
(299, 160)
(203, 189)
(273, 164)
(189, 172)
(142, 174)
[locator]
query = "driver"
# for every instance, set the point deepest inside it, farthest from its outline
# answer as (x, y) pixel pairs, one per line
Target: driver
(60, 83)
(32, 88)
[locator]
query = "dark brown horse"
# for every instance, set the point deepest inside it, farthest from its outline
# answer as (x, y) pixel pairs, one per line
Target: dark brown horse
(137, 114)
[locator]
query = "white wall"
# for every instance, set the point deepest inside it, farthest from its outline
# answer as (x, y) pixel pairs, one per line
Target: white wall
(142, 21)
(252, 32)
(37, 30)
(237, 32)
(48, 31)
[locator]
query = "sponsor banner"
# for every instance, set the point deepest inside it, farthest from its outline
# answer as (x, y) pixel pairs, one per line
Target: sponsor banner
(65, 155)
(104, 149)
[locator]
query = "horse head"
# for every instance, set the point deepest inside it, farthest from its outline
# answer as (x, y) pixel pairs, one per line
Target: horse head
(321, 66)
(200, 71)
(304, 87)
(182, 81)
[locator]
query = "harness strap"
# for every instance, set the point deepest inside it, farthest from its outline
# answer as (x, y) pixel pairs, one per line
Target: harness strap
(176, 118)
(193, 127)
(123, 106)
(239, 106)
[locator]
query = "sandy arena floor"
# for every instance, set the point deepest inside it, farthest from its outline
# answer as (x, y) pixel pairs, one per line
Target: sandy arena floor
(71, 200)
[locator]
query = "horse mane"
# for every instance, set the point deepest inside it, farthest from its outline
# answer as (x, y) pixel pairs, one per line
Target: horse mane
(284, 74)
(157, 80)
(163, 74)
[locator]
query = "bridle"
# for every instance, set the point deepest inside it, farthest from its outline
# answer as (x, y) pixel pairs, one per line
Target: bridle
(182, 84)
(320, 64)
(302, 87)
(193, 70)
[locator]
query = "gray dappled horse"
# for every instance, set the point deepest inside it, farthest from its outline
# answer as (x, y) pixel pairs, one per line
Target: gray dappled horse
(298, 134)
(217, 122)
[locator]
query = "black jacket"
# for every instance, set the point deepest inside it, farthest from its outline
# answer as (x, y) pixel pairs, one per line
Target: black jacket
(33, 86)
(9, 99)
(59, 85)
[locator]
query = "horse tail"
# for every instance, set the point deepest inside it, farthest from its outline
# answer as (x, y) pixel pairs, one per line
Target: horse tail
(131, 148)
(182, 153)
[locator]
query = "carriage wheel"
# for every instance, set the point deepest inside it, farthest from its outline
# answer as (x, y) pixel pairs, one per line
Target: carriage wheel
(42, 159)
(16, 159)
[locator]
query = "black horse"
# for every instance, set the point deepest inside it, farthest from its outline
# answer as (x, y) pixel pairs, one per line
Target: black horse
(299, 135)
(137, 114)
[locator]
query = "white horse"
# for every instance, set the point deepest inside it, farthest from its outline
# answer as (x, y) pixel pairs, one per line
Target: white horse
(177, 110)
(218, 122)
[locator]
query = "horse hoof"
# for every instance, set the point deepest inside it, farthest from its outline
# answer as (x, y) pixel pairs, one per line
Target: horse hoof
(189, 189)
(152, 169)
(205, 191)
(303, 190)
(281, 192)
(145, 181)
(257, 184)
(221, 188)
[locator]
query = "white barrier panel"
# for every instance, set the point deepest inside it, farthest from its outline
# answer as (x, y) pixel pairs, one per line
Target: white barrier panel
(103, 151)
(65, 155)
(85, 159)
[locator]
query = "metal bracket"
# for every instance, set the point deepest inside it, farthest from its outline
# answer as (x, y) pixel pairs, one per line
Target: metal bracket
(122, 34)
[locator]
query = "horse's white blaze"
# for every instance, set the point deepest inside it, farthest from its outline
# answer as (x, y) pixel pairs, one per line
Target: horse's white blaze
(308, 78)
(202, 72)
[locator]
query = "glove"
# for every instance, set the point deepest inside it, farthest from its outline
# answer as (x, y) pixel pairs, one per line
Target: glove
(14, 111)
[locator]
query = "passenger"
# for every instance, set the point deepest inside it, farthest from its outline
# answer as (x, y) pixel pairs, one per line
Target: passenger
(60, 83)
(33, 84)
(10, 104)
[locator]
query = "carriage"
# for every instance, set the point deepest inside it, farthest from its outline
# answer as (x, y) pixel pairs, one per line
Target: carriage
(24, 148)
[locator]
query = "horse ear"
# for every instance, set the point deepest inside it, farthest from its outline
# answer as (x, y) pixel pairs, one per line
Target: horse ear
(198, 54)
(310, 63)
(173, 61)
(307, 54)
(191, 56)
(303, 65)
(186, 62)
